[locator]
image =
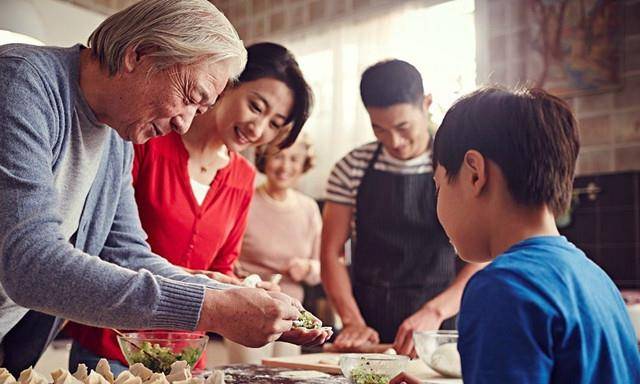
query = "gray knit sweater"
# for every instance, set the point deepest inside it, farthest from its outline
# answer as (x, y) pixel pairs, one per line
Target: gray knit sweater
(107, 276)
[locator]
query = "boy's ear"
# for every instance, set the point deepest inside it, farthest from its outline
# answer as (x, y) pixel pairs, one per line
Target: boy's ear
(476, 167)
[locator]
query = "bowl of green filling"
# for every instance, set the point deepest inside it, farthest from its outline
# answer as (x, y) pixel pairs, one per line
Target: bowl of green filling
(157, 350)
(371, 368)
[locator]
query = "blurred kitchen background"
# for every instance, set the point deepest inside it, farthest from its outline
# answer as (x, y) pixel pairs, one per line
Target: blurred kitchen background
(588, 51)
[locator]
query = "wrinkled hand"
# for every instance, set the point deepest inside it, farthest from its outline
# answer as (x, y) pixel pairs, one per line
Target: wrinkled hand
(268, 286)
(405, 378)
(298, 269)
(355, 335)
(249, 316)
(221, 277)
(426, 319)
(306, 337)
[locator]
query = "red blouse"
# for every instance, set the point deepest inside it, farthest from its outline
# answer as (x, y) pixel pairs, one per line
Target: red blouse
(206, 236)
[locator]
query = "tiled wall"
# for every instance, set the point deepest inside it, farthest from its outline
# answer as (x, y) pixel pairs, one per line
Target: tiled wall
(608, 227)
(609, 122)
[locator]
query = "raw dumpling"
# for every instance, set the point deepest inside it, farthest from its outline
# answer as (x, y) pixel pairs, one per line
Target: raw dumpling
(217, 377)
(157, 378)
(123, 377)
(62, 376)
(141, 371)
(95, 378)
(29, 376)
(180, 371)
(6, 377)
(104, 369)
(81, 373)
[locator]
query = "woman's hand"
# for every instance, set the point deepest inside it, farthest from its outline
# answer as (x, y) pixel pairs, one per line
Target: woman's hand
(221, 277)
(299, 269)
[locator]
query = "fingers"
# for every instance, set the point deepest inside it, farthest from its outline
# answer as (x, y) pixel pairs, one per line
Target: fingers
(404, 378)
(402, 341)
(289, 306)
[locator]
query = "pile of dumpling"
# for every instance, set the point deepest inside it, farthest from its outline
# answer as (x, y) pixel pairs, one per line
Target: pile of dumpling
(137, 374)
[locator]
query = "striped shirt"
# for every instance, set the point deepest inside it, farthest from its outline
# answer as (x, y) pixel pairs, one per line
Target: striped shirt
(347, 174)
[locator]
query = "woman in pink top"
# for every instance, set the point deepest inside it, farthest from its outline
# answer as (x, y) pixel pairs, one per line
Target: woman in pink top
(282, 235)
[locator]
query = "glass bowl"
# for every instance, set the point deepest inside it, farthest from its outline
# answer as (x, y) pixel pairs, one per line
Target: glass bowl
(439, 351)
(157, 350)
(371, 368)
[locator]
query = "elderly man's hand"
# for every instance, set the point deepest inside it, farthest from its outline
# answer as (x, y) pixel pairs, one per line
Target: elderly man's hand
(306, 337)
(250, 316)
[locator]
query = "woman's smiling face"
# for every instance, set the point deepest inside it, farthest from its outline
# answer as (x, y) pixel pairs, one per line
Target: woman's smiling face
(252, 113)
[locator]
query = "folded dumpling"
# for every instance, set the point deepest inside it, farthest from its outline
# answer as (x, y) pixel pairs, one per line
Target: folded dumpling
(104, 369)
(180, 371)
(193, 380)
(95, 378)
(81, 372)
(217, 377)
(157, 378)
(29, 376)
(126, 377)
(140, 371)
(6, 377)
(62, 376)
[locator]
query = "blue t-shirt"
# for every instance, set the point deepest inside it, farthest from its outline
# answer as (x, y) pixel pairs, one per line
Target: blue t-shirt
(542, 312)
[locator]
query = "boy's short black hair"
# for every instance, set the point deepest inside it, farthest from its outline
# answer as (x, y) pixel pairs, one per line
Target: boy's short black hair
(391, 82)
(530, 134)
(271, 60)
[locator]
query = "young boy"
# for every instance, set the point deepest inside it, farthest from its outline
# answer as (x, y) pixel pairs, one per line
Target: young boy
(541, 312)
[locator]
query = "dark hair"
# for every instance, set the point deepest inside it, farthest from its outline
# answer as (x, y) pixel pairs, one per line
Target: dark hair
(270, 60)
(262, 154)
(530, 134)
(389, 83)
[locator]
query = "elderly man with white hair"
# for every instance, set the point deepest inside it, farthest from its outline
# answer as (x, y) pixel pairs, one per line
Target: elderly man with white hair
(71, 243)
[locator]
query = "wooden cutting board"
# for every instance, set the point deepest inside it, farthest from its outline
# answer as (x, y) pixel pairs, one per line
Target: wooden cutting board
(323, 362)
(329, 363)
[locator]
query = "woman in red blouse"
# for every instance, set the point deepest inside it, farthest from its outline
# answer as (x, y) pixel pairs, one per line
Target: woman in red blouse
(193, 191)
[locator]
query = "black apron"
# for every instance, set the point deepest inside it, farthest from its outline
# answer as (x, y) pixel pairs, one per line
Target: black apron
(402, 257)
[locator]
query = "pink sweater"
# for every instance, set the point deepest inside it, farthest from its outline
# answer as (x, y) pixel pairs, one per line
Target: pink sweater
(277, 232)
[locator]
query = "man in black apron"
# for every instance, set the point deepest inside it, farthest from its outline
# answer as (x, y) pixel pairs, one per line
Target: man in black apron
(382, 195)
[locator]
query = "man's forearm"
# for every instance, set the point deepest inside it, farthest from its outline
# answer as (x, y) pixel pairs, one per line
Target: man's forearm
(336, 281)
(447, 303)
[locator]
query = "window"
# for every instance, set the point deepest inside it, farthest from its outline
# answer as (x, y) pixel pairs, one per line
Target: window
(439, 40)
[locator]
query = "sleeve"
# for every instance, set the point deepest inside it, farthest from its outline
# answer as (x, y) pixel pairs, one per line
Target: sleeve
(39, 269)
(230, 250)
(504, 332)
(313, 277)
(340, 188)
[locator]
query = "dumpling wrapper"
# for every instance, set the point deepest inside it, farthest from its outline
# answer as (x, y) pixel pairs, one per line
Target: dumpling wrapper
(82, 372)
(104, 369)
(29, 376)
(95, 378)
(139, 370)
(157, 378)
(6, 377)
